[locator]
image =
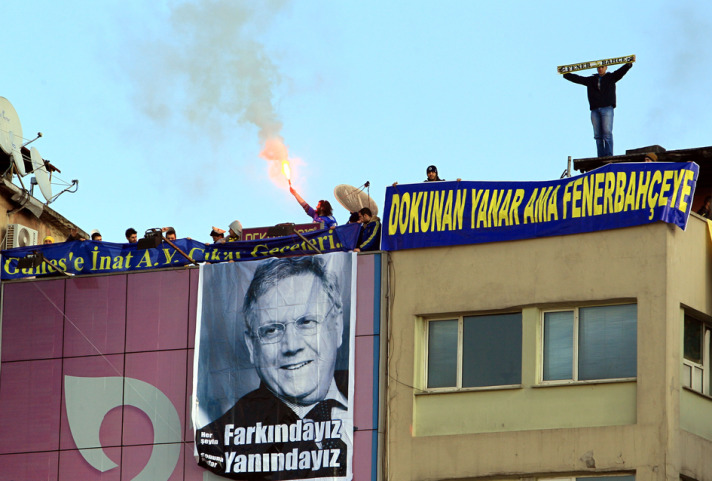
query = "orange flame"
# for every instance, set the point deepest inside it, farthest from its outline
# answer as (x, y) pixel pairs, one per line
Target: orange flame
(276, 155)
(287, 171)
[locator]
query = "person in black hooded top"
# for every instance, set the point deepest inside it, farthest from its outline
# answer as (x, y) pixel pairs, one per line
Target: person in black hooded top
(601, 89)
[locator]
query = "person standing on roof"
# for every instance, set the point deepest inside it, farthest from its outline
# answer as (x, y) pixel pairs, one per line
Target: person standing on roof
(217, 234)
(131, 235)
(234, 233)
(170, 233)
(432, 173)
(369, 238)
(601, 89)
(323, 212)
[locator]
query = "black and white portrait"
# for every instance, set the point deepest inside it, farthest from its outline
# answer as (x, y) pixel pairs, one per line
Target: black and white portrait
(273, 390)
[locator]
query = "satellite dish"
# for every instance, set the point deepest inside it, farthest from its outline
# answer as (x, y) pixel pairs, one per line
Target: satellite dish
(8, 120)
(11, 133)
(41, 174)
(354, 199)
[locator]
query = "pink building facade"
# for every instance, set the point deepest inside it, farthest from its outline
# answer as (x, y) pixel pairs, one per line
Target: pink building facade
(105, 364)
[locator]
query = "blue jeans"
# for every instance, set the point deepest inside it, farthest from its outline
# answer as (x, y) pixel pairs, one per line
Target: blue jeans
(602, 120)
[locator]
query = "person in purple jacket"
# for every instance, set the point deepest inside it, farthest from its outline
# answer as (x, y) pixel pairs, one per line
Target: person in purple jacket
(323, 212)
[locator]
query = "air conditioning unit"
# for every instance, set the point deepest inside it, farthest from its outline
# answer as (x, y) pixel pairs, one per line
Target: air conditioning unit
(20, 236)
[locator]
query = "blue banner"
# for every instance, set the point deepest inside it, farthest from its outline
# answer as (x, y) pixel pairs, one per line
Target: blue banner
(617, 195)
(342, 238)
(90, 257)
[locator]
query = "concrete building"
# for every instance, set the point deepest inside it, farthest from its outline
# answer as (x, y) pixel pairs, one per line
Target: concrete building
(569, 356)
(573, 356)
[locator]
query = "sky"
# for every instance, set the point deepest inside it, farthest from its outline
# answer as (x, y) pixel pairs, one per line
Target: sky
(162, 109)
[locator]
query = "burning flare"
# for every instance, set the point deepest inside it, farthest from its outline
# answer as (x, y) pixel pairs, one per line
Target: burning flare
(287, 171)
(275, 153)
(280, 166)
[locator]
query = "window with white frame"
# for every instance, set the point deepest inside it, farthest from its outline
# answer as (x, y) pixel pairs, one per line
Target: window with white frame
(590, 343)
(696, 355)
(474, 351)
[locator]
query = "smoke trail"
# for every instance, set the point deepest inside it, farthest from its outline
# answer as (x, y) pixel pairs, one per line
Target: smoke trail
(682, 63)
(213, 65)
(274, 152)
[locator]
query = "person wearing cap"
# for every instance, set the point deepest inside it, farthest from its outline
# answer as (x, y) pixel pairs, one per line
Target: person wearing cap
(217, 234)
(323, 212)
(601, 89)
(96, 235)
(48, 240)
(234, 233)
(432, 173)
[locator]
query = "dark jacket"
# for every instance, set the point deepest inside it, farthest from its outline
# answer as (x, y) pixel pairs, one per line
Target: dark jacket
(603, 93)
(370, 237)
(259, 406)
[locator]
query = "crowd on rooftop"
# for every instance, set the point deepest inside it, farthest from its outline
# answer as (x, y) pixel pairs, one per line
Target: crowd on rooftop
(369, 235)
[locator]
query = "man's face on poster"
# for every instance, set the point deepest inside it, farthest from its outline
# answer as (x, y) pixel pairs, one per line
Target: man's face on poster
(295, 334)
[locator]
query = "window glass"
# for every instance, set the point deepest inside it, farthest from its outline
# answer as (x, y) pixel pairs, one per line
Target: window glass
(607, 342)
(558, 345)
(693, 340)
(492, 350)
(442, 353)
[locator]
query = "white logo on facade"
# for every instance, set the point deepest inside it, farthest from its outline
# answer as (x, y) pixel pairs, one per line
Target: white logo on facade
(88, 401)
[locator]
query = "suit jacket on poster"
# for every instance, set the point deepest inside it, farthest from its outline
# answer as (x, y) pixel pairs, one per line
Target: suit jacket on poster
(255, 413)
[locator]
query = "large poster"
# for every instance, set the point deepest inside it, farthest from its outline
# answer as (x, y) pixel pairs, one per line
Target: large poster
(273, 383)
